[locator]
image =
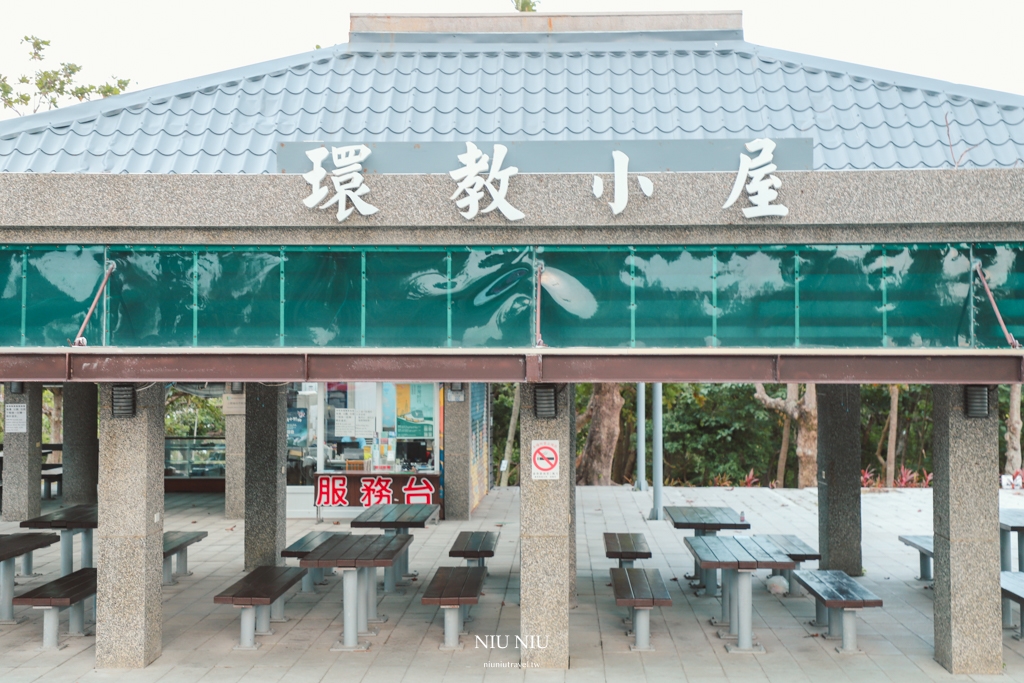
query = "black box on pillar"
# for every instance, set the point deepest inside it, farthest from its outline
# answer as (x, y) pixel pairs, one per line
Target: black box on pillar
(976, 399)
(123, 400)
(545, 404)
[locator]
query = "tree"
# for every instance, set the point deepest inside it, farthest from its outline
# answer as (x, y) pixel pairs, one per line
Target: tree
(525, 5)
(594, 466)
(894, 413)
(792, 392)
(1013, 425)
(805, 413)
(49, 88)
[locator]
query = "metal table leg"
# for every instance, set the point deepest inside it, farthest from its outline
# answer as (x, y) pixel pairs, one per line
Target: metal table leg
(307, 582)
(87, 562)
(406, 573)
(926, 568)
(263, 621)
(452, 627)
(181, 563)
(726, 594)
(371, 598)
(745, 613)
(67, 551)
(623, 564)
(820, 614)
(362, 611)
(835, 623)
(7, 593)
(849, 633)
(51, 627)
(1006, 564)
(26, 565)
(795, 589)
(642, 630)
(168, 579)
(76, 619)
(247, 639)
(277, 615)
(729, 586)
(709, 577)
(350, 636)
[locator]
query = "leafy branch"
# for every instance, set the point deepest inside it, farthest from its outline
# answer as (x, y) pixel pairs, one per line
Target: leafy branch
(48, 88)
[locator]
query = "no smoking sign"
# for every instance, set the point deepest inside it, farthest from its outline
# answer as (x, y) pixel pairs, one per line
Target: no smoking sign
(544, 458)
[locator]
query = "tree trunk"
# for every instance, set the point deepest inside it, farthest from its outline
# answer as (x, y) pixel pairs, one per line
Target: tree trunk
(807, 438)
(792, 392)
(894, 414)
(57, 423)
(881, 442)
(595, 467)
(511, 435)
(1013, 425)
(624, 462)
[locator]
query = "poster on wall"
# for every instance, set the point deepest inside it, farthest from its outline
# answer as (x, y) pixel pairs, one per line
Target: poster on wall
(389, 416)
(415, 407)
(298, 428)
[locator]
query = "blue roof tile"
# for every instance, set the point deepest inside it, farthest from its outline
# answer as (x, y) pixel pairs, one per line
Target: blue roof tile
(859, 117)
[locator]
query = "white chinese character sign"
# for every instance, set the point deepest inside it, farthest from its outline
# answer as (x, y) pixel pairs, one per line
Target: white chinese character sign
(762, 185)
(472, 186)
(621, 190)
(347, 179)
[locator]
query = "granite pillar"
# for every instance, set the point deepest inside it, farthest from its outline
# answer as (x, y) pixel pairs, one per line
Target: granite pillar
(965, 500)
(81, 443)
(266, 414)
(839, 523)
(547, 534)
(129, 539)
(234, 455)
(457, 452)
(23, 455)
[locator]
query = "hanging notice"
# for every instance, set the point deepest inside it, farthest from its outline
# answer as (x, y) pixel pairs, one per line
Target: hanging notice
(415, 407)
(359, 424)
(16, 418)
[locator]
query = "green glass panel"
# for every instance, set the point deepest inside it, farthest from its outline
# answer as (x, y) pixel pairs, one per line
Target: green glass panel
(928, 296)
(322, 299)
(755, 298)
(239, 298)
(61, 285)
(840, 296)
(1004, 270)
(585, 298)
(673, 298)
(150, 298)
(406, 298)
(492, 297)
(10, 297)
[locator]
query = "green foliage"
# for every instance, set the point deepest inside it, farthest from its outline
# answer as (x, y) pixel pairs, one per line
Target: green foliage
(913, 426)
(48, 88)
(189, 415)
(525, 5)
(501, 410)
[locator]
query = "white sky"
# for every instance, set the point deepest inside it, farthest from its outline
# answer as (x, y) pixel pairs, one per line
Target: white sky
(154, 43)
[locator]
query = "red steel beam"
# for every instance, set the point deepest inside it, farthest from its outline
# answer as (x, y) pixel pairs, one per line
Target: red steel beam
(514, 366)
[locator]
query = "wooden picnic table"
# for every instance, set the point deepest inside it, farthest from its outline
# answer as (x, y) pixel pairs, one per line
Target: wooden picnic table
(397, 518)
(13, 546)
(1010, 520)
(738, 557)
(358, 556)
(705, 521)
(70, 521)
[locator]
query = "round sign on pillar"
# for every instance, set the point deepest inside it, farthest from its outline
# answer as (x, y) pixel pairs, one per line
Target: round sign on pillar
(544, 458)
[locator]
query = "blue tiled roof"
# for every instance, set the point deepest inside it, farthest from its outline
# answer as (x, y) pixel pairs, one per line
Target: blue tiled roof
(462, 89)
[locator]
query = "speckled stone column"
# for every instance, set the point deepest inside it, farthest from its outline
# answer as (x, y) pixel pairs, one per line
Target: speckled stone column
(266, 414)
(457, 457)
(234, 466)
(129, 540)
(839, 524)
(23, 456)
(547, 534)
(81, 443)
(965, 500)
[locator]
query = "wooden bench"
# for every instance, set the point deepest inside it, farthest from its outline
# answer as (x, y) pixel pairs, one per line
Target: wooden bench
(641, 590)
(260, 595)
(626, 548)
(835, 591)
(1012, 586)
(474, 545)
(798, 551)
(926, 546)
(454, 589)
(69, 592)
(303, 547)
(177, 543)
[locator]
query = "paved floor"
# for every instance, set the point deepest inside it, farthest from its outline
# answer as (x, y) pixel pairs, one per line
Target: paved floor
(198, 636)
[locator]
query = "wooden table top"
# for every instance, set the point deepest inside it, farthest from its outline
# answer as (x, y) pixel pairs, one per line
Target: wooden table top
(738, 552)
(1011, 520)
(396, 516)
(16, 545)
(626, 547)
(77, 517)
(704, 518)
(369, 550)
